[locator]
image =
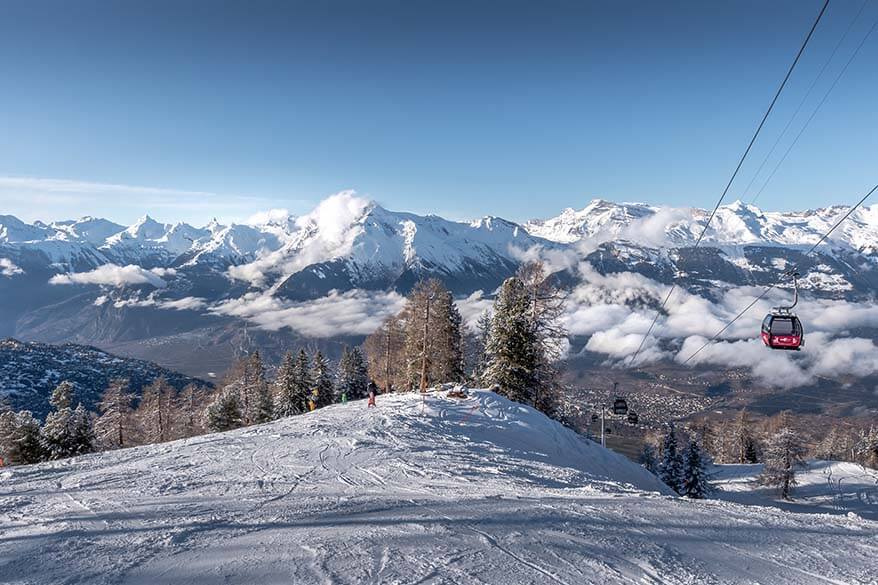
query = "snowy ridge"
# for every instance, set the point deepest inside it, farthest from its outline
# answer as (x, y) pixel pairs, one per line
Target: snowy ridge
(734, 224)
(417, 490)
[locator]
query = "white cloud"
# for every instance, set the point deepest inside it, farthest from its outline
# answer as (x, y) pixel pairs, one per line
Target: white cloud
(325, 233)
(8, 268)
(112, 275)
(472, 307)
(352, 313)
(184, 304)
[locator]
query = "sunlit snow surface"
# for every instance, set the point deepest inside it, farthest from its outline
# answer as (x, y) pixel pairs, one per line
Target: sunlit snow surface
(417, 490)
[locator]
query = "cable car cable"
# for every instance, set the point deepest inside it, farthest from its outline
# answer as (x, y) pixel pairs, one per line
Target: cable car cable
(737, 168)
(769, 288)
(814, 113)
(802, 102)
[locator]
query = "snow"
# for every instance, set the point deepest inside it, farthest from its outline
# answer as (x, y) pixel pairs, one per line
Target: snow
(824, 487)
(416, 490)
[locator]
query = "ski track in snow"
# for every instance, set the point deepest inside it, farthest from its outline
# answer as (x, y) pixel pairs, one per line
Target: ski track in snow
(429, 491)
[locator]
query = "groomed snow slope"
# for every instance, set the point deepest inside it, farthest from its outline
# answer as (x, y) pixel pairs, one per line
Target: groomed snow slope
(413, 491)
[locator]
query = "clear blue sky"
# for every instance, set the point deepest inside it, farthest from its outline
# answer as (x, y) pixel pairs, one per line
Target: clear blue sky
(510, 108)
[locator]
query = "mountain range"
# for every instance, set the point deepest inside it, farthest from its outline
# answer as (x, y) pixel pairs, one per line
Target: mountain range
(154, 284)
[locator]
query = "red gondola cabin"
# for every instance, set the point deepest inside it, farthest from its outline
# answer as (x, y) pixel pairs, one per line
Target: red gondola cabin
(782, 331)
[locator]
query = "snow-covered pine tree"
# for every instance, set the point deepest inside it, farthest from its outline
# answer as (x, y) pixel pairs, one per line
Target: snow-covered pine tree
(113, 426)
(353, 377)
(648, 459)
(57, 436)
(513, 353)
(838, 445)
(83, 431)
(260, 408)
(483, 334)
(321, 375)
(285, 403)
(695, 483)
(546, 302)
(302, 382)
(19, 438)
(671, 467)
(224, 412)
(783, 455)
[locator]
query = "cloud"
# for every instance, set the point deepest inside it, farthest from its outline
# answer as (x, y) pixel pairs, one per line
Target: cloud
(114, 275)
(25, 196)
(8, 268)
(184, 304)
(356, 312)
(325, 233)
(472, 307)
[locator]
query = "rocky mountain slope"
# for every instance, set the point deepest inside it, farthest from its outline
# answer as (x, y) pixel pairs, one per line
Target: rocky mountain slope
(417, 490)
(30, 371)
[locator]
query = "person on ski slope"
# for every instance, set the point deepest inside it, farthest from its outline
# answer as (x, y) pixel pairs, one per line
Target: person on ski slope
(373, 391)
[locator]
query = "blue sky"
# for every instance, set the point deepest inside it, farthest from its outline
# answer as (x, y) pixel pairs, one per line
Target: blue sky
(188, 110)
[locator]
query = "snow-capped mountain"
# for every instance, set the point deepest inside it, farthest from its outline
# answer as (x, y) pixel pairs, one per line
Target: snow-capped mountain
(114, 284)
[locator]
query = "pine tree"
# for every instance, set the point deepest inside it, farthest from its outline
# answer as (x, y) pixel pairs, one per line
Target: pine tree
(83, 437)
(837, 445)
(302, 383)
(224, 412)
(513, 354)
(483, 334)
(695, 480)
(783, 455)
(57, 436)
(255, 395)
(671, 467)
(353, 377)
(648, 459)
(321, 376)
(113, 426)
(19, 438)
(285, 388)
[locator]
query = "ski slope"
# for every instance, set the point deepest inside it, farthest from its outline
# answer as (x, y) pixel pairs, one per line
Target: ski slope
(825, 487)
(416, 490)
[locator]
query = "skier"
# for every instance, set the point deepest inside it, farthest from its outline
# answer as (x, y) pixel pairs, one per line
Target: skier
(344, 397)
(373, 391)
(312, 402)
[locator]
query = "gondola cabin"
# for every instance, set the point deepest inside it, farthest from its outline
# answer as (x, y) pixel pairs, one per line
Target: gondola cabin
(620, 406)
(782, 331)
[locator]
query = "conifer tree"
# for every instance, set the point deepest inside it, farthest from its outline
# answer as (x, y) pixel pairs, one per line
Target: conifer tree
(866, 447)
(321, 376)
(746, 448)
(353, 377)
(695, 480)
(19, 438)
(671, 466)
(57, 436)
(783, 455)
(648, 458)
(483, 334)
(255, 395)
(83, 437)
(224, 412)
(285, 388)
(513, 355)
(113, 426)
(302, 383)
